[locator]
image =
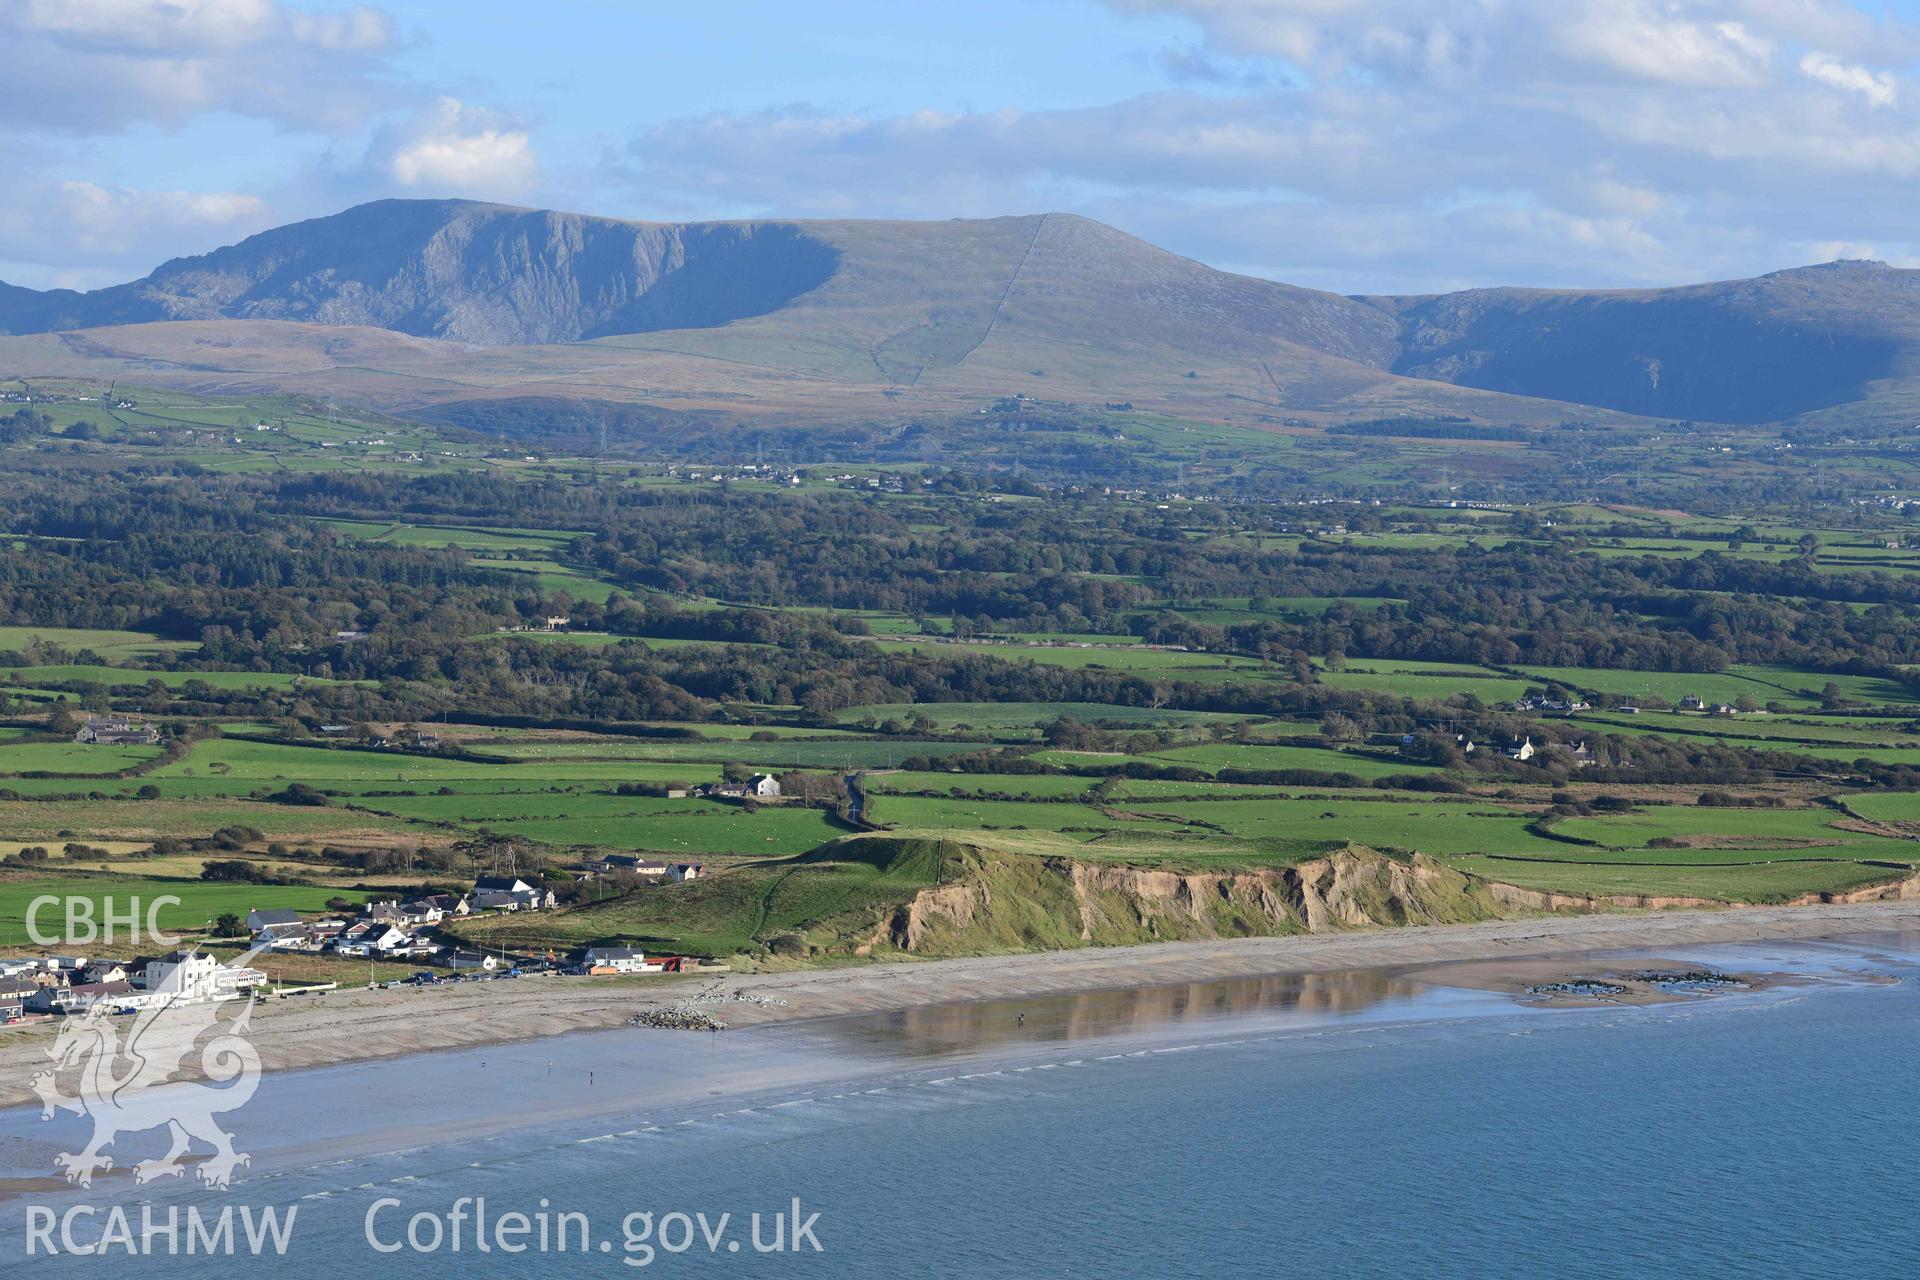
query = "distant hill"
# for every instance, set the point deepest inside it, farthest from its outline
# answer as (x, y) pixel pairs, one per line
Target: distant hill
(1741, 351)
(412, 305)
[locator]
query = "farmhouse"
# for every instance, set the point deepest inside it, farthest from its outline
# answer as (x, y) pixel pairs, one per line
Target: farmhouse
(1524, 750)
(679, 871)
(634, 864)
(761, 786)
(116, 731)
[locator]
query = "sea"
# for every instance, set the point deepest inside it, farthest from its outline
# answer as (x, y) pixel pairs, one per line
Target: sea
(1358, 1124)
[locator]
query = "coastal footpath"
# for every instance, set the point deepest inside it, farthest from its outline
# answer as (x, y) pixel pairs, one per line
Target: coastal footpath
(353, 1025)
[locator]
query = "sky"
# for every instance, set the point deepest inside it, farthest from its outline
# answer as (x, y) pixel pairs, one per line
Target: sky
(1379, 146)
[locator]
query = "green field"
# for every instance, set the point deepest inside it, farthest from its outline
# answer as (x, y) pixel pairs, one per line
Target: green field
(199, 903)
(71, 757)
(117, 646)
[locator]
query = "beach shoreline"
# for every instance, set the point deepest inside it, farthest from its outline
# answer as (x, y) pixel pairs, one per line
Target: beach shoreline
(363, 1025)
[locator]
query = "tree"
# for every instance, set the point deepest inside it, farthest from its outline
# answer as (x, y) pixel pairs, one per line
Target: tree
(1335, 727)
(229, 925)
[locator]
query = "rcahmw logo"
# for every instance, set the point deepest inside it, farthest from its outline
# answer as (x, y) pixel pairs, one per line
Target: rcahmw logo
(86, 1231)
(85, 922)
(109, 1069)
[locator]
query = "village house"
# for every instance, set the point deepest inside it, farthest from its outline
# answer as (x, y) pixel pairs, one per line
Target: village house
(434, 908)
(609, 960)
(270, 924)
(374, 937)
(634, 864)
(509, 893)
(1524, 750)
(681, 871)
(116, 731)
(14, 995)
(37, 971)
(1693, 702)
(82, 997)
(467, 961)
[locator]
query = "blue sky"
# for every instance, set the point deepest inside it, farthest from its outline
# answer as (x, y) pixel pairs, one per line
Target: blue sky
(1357, 145)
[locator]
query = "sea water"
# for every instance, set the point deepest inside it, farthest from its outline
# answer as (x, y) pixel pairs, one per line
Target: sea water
(1355, 1125)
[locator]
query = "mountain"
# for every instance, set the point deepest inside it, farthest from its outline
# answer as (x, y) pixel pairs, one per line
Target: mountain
(497, 276)
(1740, 351)
(447, 305)
(444, 305)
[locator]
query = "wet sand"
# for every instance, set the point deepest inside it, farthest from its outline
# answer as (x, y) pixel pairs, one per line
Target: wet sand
(347, 1026)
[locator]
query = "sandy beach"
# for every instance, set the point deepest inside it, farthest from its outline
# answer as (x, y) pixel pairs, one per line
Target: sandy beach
(344, 1026)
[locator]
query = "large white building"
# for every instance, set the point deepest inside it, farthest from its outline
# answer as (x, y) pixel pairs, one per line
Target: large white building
(194, 975)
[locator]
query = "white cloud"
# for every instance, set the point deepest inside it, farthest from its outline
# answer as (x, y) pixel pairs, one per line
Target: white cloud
(81, 232)
(457, 149)
(1652, 43)
(1421, 143)
(94, 66)
(327, 75)
(1877, 87)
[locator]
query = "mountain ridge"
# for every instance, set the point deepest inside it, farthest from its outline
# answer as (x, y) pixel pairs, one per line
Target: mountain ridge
(739, 314)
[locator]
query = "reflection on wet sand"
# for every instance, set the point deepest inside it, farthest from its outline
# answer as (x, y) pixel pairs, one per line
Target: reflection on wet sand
(939, 1029)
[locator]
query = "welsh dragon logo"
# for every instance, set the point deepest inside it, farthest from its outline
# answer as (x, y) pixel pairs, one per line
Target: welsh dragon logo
(127, 1077)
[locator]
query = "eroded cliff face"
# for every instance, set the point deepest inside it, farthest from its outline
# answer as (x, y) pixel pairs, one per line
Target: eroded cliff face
(1015, 904)
(1520, 900)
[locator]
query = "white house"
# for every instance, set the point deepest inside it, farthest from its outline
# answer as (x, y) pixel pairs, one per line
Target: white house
(1524, 751)
(372, 937)
(197, 976)
(678, 871)
(272, 923)
(434, 908)
(633, 862)
(763, 784)
(509, 893)
(603, 960)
